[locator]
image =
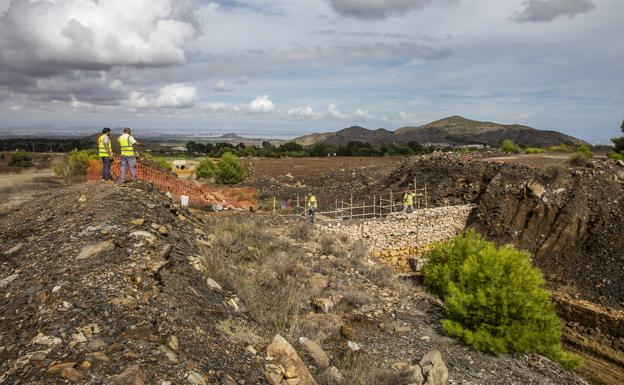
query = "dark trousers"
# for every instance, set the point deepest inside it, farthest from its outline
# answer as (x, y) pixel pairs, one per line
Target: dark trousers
(106, 166)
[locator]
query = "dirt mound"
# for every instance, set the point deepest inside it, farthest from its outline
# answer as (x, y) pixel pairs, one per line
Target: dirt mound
(93, 292)
(571, 218)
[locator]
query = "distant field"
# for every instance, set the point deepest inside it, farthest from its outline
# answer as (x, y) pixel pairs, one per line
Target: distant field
(298, 167)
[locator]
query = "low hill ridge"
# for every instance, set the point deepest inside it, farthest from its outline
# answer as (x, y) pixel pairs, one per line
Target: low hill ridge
(453, 130)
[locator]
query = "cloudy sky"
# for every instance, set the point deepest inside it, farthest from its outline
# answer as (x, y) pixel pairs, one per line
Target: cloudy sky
(280, 67)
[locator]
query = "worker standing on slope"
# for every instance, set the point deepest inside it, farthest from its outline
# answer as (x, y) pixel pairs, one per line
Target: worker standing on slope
(411, 201)
(105, 151)
(408, 202)
(128, 155)
(312, 206)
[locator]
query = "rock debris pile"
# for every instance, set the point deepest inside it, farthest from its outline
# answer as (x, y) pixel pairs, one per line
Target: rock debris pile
(402, 236)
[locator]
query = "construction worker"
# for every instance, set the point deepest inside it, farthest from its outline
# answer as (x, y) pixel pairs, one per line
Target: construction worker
(128, 155)
(408, 202)
(312, 206)
(411, 201)
(105, 152)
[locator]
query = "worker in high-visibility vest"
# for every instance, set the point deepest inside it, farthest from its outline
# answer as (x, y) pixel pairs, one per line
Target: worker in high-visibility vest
(408, 202)
(312, 206)
(128, 155)
(105, 151)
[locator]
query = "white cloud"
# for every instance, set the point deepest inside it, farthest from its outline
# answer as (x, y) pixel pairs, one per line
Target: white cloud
(89, 34)
(379, 9)
(77, 104)
(304, 112)
(222, 86)
(362, 114)
(405, 116)
(262, 104)
(333, 112)
(177, 95)
(547, 10)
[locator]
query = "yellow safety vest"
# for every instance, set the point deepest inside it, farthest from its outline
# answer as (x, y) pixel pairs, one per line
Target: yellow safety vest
(126, 148)
(312, 202)
(409, 200)
(102, 148)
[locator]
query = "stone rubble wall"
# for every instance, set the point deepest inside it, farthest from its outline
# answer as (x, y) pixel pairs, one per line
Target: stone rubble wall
(401, 237)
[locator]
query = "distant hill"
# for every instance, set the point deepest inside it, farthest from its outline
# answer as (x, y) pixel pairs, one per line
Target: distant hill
(454, 130)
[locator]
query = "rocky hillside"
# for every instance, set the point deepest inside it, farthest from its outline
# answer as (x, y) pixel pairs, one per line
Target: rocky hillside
(454, 130)
(107, 285)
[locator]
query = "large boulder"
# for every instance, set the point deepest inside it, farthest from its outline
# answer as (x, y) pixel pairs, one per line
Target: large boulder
(287, 357)
(434, 368)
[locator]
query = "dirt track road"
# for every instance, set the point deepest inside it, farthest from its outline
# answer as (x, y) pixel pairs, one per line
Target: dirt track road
(16, 189)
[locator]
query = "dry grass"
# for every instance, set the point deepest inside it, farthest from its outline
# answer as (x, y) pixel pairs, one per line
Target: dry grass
(381, 275)
(240, 332)
(301, 231)
(327, 244)
(261, 270)
(355, 297)
(361, 369)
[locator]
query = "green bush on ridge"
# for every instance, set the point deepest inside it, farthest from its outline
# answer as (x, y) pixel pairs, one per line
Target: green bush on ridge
(510, 147)
(20, 159)
(494, 299)
(228, 170)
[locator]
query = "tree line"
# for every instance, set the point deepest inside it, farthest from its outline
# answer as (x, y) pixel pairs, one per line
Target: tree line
(295, 150)
(46, 145)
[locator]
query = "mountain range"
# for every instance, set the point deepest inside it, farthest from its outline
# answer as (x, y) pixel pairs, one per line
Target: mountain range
(454, 130)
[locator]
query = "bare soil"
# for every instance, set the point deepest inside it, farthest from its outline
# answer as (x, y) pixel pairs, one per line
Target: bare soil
(16, 189)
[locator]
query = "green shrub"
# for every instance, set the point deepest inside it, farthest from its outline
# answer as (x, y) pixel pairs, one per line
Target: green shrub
(560, 148)
(494, 299)
(616, 156)
(228, 170)
(159, 161)
(75, 164)
(20, 159)
(578, 159)
(585, 151)
(207, 169)
(535, 150)
(618, 144)
(509, 147)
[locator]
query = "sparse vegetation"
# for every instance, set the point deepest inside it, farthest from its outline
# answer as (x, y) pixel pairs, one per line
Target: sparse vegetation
(20, 159)
(159, 161)
(494, 298)
(565, 148)
(578, 160)
(261, 270)
(553, 171)
(75, 164)
(510, 147)
(534, 150)
(616, 156)
(359, 369)
(301, 231)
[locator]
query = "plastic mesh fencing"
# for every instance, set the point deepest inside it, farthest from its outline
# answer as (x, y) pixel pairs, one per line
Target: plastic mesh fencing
(199, 195)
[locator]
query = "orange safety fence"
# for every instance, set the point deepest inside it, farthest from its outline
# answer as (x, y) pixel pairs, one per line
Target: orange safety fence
(199, 195)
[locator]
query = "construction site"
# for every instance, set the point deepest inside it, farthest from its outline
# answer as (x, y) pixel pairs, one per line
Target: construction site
(170, 281)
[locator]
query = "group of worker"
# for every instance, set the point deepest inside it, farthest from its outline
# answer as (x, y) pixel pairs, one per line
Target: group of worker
(127, 154)
(408, 204)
